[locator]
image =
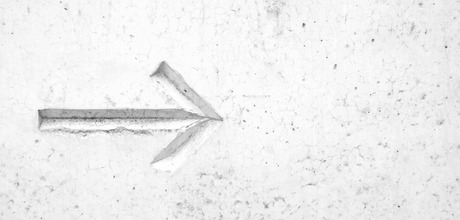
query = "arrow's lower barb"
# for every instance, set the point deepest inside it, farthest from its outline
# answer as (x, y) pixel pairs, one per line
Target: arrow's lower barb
(184, 145)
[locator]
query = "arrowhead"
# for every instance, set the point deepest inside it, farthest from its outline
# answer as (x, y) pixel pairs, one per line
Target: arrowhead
(183, 93)
(188, 140)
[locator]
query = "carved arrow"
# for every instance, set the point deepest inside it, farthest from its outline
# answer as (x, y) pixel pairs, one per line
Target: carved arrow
(194, 121)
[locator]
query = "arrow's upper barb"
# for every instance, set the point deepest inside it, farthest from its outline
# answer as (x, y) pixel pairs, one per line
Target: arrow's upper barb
(183, 93)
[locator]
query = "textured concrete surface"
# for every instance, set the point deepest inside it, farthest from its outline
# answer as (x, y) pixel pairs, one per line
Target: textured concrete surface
(331, 109)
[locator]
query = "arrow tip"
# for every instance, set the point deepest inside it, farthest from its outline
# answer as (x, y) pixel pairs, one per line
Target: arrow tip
(163, 65)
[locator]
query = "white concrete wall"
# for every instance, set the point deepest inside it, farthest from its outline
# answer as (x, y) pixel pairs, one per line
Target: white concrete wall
(331, 109)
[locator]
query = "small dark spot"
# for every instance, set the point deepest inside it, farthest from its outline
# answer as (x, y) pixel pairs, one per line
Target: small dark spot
(65, 9)
(36, 141)
(185, 90)
(420, 4)
(76, 206)
(423, 96)
(356, 88)
(372, 40)
(335, 66)
(134, 188)
(303, 25)
(440, 122)
(445, 47)
(113, 176)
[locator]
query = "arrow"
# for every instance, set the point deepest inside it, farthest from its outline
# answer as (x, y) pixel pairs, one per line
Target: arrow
(194, 121)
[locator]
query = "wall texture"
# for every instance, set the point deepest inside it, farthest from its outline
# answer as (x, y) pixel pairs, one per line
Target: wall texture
(331, 109)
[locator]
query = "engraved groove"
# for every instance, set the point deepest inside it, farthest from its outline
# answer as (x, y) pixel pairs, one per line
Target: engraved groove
(114, 120)
(193, 121)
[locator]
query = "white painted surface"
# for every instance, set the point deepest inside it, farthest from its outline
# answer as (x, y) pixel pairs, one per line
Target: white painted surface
(332, 110)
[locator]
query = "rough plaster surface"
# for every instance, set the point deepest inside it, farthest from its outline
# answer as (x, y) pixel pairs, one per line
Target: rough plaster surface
(331, 109)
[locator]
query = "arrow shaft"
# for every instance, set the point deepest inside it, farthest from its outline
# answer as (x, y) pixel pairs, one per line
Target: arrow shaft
(85, 120)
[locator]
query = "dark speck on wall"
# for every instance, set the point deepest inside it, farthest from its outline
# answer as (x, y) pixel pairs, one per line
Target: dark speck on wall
(440, 122)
